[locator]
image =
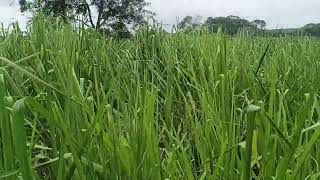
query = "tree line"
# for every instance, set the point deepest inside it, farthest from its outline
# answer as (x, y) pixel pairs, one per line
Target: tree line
(121, 16)
(233, 24)
(230, 24)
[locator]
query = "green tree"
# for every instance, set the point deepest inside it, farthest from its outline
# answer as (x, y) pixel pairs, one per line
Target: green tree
(231, 24)
(258, 23)
(189, 22)
(312, 29)
(62, 8)
(99, 14)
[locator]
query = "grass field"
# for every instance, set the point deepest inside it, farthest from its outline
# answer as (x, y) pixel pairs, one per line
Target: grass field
(75, 105)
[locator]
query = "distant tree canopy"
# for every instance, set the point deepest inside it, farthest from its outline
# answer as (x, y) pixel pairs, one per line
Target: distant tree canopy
(231, 24)
(190, 22)
(261, 24)
(99, 14)
(312, 29)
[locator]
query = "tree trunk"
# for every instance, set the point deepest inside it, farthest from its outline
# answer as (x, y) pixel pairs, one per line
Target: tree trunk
(89, 13)
(63, 5)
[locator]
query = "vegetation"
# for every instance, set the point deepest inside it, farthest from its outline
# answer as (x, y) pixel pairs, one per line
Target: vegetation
(313, 29)
(230, 24)
(75, 105)
(190, 22)
(119, 17)
(233, 24)
(103, 15)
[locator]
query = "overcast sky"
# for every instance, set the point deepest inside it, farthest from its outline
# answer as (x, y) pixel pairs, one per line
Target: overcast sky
(277, 13)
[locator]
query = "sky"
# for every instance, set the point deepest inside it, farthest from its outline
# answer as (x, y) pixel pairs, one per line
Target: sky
(10, 13)
(277, 13)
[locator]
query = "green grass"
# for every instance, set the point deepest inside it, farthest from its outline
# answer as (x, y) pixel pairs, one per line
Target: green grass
(75, 105)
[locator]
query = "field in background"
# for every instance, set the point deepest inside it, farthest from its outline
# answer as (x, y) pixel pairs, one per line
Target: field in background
(75, 105)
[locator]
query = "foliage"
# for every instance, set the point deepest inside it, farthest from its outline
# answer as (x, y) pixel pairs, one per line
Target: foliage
(312, 29)
(75, 105)
(261, 24)
(234, 24)
(189, 22)
(231, 24)
(111, 15)
(55, 8)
